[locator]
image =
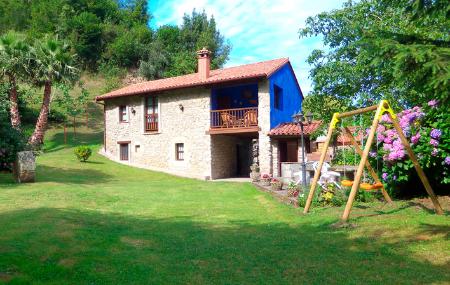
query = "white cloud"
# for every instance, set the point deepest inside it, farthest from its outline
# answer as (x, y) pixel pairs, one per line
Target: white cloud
(257, 29)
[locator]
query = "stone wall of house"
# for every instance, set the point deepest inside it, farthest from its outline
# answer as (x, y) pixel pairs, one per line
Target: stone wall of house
(274, 144)
(184, 117)
(223, 156)
(265, 147)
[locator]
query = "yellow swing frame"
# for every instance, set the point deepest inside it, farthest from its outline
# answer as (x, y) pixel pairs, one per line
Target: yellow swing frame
(382, 108)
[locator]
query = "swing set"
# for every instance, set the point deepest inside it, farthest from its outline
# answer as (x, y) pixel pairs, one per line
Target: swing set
(382, 108)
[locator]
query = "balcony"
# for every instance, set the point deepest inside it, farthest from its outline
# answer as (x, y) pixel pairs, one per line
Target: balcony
(151, 123)
(238, 120)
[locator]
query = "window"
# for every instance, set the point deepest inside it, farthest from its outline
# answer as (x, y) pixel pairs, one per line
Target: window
(123, 114)
(151, 114)
(124, 151)
(179, 151)
(278, 97)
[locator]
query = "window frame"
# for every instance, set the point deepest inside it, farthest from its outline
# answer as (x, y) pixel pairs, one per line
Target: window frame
(121, 154)
(179, 151)
(155, 113)
(121, 114)
(277, 97)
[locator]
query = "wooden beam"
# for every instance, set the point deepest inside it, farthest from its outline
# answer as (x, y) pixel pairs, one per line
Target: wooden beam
(419, 170)
(319, 167)
(372, 172)
(360, 169)
(357, 112)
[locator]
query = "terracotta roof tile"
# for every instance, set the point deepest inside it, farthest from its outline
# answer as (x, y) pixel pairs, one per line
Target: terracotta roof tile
(248, 71)
(292, 129)
(344, 139)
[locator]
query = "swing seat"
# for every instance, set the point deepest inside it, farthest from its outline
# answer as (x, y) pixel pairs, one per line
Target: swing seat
(368, 186)
(347, 183)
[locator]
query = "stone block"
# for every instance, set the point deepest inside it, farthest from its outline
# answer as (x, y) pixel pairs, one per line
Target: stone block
(25, 167)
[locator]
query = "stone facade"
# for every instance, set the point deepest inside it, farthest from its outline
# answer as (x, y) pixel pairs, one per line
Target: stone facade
(184, 117)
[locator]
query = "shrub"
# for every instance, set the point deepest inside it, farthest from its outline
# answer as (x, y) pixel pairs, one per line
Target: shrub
(83, 153)
(12, 141)
(428, 130)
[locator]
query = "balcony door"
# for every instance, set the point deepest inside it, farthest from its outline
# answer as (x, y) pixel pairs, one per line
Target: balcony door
(223, 102)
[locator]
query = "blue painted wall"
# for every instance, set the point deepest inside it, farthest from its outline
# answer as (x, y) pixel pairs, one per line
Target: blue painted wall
(238, 96)
(291, 99)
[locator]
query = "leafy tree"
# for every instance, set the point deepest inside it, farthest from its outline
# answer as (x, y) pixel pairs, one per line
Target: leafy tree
(86, 35)
(14, 57)
(196, 32)
(397, 50)
(129, 46)
(153, 62)
(53, 64)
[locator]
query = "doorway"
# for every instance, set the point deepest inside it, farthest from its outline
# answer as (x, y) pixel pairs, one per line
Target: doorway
(287, 152)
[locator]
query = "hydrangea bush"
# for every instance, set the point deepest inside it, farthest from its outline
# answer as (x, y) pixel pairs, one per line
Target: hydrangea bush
(428, 130)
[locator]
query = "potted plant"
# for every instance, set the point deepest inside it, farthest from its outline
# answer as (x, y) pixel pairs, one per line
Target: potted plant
(265, 179)
(276, 184)
(293, 189)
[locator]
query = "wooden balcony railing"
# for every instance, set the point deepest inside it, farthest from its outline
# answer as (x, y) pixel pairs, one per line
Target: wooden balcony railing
(234, 118)
(151, 122)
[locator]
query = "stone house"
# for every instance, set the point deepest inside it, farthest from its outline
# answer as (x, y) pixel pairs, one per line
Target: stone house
(203, 125)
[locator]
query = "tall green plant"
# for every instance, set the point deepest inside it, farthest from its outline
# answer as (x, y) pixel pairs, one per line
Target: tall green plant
(53, 64)
(14, 65)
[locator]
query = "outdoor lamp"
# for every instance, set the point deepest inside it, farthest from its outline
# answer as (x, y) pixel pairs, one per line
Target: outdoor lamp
(309, 118)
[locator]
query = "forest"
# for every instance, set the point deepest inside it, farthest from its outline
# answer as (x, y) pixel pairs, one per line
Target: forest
(107, 34)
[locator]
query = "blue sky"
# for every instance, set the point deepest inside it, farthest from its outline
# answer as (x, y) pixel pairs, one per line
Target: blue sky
(257, 29)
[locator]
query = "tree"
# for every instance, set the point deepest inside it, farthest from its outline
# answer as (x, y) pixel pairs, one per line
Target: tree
(72, 105)
(86, 36)
(386, 49)
(14, 57)
(196, 32)
(53, 63)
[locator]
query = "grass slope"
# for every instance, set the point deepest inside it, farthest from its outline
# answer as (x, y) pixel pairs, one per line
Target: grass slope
(101, 222)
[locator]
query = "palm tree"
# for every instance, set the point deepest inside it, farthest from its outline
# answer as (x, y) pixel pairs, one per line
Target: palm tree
(52, 63)
(14, 59)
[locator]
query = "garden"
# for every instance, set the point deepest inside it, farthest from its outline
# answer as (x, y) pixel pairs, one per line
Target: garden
(88, 220)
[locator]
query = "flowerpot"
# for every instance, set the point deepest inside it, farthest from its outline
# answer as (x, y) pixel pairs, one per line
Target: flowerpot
(265, 181)
(276, 186)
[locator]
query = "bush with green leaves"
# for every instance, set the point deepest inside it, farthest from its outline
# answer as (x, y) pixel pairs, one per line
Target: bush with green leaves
(346, 156)
(428, 130)
(12, 141)
(83, 153)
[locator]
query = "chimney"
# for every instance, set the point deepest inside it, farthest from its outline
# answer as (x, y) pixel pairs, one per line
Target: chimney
(204, 63)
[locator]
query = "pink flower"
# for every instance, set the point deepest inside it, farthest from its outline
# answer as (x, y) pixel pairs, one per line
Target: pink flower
(433, 103)
(434, 152)
(434, 142)
(385, 118)
(415, 138)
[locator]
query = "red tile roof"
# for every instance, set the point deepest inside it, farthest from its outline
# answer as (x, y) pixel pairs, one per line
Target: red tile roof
(249, 71)
(292, 129)
(343, 138)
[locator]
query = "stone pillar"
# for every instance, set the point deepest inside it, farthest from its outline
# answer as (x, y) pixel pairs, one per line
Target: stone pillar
(25, 167)
(254, 168)
(275, 158)
(265, 149)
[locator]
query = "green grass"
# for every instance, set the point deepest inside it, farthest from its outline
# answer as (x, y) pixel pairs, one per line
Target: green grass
(101, 222)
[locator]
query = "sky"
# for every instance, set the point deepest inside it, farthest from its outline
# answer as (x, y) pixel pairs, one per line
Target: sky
(258, 30)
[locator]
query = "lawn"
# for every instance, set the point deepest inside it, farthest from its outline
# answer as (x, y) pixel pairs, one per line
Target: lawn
(101, 222)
